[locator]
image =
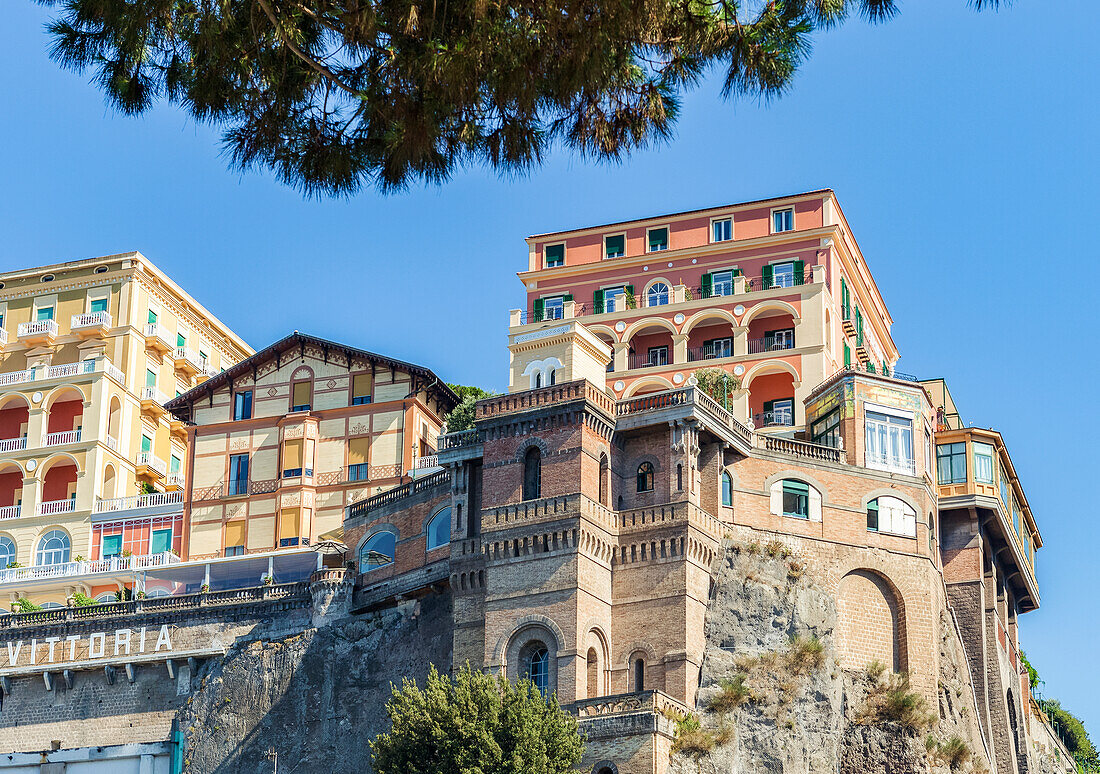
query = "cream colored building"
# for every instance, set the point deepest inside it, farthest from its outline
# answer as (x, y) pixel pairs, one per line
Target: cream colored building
(91, 464)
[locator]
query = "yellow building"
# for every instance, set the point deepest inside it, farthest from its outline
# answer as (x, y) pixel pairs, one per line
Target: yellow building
(91, 464)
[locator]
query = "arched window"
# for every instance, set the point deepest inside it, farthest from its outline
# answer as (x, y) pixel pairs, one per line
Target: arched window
(727, 489)
(593, 664)
(7, 551)
(604, 501)
(439, 529)
(52, 606)
(657, 295)
(536, 667)
(554, 377)
(889, 514)
(53, 548)
(107, 596)
(639, 675)
(377, 551)
(679, 476)
(532, 474)
(538, 380)
(158, 591)
(645, 477)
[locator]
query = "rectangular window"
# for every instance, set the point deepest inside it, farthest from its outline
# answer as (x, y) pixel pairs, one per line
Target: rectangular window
(146, 444)
(721, 230)
(161, 541)
(721, 283)
(150, 377)
(609, 296)
(181, 340)
(781, 339)
(358, 454)
(203, 359)
(716, 348)
(658, 356)
(238, 474)
(983, 463)
(152, 318)
(242, 405)
(783, 275)
(779, 412)
(112, 545)
(657, 239)
(555, 255)
(300, 396)
(289, 526)
(97, 305)
(234, 550)
(951, 463)
(889, 442)
(234, 538)
(796, 499)
(292, 458)
(44, 313)
(360, 389)
(826, 431)
(553, 308)
(783, 220)
(614, 246)
(174, 464)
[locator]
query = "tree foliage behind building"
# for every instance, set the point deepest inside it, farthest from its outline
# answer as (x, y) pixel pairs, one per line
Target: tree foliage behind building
(475, 724)
(332, 95)
(462, 415)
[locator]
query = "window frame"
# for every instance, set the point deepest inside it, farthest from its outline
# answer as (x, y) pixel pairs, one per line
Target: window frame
(782, 210)
(235, 485)
(363, 547)
(991, 456)
(729, 230)
(240, 412)
(606, 255)
(546, 257)
(661, 351)
(727, 489)
(652, 291)
(443, 513)
(832, 428)
(649, 242)
(714, 282)
(645, 478)
(952, 456)
(794, 488)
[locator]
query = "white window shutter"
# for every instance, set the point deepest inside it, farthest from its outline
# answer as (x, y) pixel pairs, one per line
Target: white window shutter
(777, 498)
(815, 505)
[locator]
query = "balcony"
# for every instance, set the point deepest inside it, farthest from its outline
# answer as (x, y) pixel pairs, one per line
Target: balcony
(648, 359)
(3, 337)
(68, 370)
(40, 333)
(156, 500)
(8, 445)
(188, 361)
(54, 507)
(72, 569)
(174, 482)
(17, 377)
(10, 512)
(782, 418)
(149, 464)
(848, 321)
(152, 401)
(91, 324)
(891, 463)
(156, 338)
(771, 344)
(59, 439)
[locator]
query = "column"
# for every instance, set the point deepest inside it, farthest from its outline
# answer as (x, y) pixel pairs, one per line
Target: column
(679, 348)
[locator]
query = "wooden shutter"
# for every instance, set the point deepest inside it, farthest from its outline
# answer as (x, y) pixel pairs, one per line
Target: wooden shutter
(288, 522)
(799, 272)
(844, 294)
(708, 285)
(768, 405)
(358, 449)
(567, 298)
(234, 533)
(847, 356)
(300, 395)
(360, 386)
(540, 306)
(292, 454)
(767, 274)
(597, 302)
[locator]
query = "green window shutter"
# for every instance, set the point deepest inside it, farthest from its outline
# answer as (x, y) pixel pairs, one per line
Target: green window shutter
(768, 405)
(555, 255)
(152, 318)
(161, 541)
(567, 297)
(708, 286)
(847, 357)
(539, 306)
(767, 274)
(597, 302)
(99, 305)
(844, 293)
(799, 272)
(112, 546)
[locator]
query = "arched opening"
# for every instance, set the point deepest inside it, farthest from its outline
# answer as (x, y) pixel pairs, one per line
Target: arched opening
(771, 398)
(59, 487)
(727, 489)
(650, 346)
(377, 551)
(11, 489)
(53, 548)
(593, 673)
(8, 555)
(65, 417)
(870, 622)
(605, 482)
(538, 380)
(14, 419)
(638, 674)
(114, 420)
(645, 477)
(771, 331)
(710, 338)
(439, 529)
(658, 294)
(535, 660)
(109, 482)
(532, 474)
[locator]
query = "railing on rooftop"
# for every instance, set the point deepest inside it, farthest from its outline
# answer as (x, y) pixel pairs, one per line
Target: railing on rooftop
(813, 451)
(362, 507)
(117, 563)
(545, 396)
(133, 502)
(859, 370)
(658, 401)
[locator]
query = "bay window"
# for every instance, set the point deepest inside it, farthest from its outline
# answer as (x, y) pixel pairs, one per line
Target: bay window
(889, 442)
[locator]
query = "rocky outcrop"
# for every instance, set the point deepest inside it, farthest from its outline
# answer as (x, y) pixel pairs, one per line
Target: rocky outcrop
(774, 699)
(315, 697)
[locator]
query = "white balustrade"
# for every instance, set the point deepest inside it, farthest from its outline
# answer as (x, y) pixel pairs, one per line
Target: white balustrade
(70, 369)
(112, 443)
(153, 461)
(428, 461)
(175, 479)
(10, 512)
(52, 507)
(13, 444)
(115, 373)
(153, 394)
(38, 328)
(16, 377)
(116, 563)
(90, 320)
(3, 336)
(189, 356)
(133, 502)
(56, 439)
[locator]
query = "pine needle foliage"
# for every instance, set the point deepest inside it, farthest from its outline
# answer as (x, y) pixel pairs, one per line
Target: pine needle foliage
(475, 724)
(334, 95)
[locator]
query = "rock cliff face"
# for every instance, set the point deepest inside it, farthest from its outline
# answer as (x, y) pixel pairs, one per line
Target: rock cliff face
(773, 698)
(314, 698)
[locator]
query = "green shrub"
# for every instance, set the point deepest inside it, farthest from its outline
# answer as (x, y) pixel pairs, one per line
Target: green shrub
(734, 692)
(875, 670)
(24, 605)
(954, 752)
(691, 738)
(719, 384)
(81, 599)
(805, 654)
(892, 701)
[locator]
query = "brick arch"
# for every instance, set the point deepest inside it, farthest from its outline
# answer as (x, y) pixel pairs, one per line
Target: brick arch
(600, 767)
(871, 621)
(521, 449)
(526, 622)
(638, 646)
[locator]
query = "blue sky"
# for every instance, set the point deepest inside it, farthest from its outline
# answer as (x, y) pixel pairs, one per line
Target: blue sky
(961, 145)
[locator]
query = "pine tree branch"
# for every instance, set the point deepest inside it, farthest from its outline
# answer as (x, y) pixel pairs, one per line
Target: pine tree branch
(298, 52)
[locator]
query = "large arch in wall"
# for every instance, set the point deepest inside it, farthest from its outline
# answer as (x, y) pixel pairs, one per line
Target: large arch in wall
(770, 367)
(774, 305)
(708, 314)
(655, 321)
(648, 381)
(871, 621)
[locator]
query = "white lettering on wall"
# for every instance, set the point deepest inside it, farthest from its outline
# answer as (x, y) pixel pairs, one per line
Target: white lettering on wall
(122, 641)
(13, 654)
(127, 642)
(164, 639)
(96, 644)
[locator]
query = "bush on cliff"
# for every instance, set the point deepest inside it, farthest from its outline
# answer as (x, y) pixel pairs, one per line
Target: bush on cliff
(475, 723)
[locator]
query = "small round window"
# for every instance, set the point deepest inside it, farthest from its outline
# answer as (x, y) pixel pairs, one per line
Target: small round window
(47, 278)
(100, 270)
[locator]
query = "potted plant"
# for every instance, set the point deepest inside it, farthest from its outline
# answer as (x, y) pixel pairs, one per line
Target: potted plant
(204, 588)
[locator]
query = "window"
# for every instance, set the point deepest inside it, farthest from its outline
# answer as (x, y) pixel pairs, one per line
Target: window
(107, 597)
(721, 230)
(234, 550)
(727, 490)
(721, 284)
(238, 474)
(358, 451)
(657, 239)
(782, 220)
(532, 474)
(716, 348)
(146, 444)
(781, 339)
(657, 295)
(377, 551)
(639, 675)
(657, 356)
(778, 413)
(97, 305)
(234, 538)
(361, 389)
(826, 431)
(614, 246)
(889, 514)
(300, 398)
(537, 668)
(292, 458)
(174, 464)
(53, 548)
(150, 378)
(847, 356)
(645, 477)
(439, 529)
(552, 308)
(160, 542)
(796, 499)
(889, 442)
(290, 527)
(7, 551)
(784, 275)
(608, 296)
(555, 255)
(951, 463)
(983, 463)
(152, 317)
(181, 340)
(242, 405)
(44, 313)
